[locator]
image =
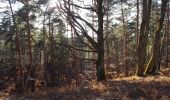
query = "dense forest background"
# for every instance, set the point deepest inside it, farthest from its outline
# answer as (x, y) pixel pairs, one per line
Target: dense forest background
(84, 47)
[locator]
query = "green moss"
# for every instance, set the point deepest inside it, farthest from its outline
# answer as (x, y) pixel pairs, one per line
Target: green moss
(149, 66)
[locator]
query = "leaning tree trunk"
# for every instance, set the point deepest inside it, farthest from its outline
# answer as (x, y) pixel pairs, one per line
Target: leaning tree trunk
(152, 65)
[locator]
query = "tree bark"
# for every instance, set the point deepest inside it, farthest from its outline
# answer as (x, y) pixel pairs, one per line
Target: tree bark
(137, 22)
(100, 46)
(116, 56)
(167, 37)
(152, 65)
(143, 38)
(29, 36)
(20, 83)
(100, 65)
(31, 73)
(45, 50)
(107, 40)
(125, 42)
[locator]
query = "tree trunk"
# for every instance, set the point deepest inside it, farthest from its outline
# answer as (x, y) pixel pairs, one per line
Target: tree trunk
(116, 56)
(125, 42)
(100, 47)
(157, 43)
(29, 36)
(93, 54)
(167, 37)
(107, 40)
(31, 73)
(143, 38)
(141, 51)
(45, 50)
(137, 22)
(100, 65)
(20, 82)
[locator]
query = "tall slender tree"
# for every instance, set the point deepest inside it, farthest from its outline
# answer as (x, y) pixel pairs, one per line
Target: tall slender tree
(125, 40)
(137, 21)
(21, 85)
(29, 32)
(107, 38)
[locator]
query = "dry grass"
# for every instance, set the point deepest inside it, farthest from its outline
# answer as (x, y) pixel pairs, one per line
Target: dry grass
(124, 88)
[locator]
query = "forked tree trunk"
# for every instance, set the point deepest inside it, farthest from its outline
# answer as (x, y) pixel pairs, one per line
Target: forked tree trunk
(143, 38)
(152, 65)
(99, 45)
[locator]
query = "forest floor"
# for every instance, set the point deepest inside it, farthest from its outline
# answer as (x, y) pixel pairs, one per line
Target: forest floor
(124, 88)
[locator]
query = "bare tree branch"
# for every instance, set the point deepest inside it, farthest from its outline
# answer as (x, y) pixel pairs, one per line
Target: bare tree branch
(86, 8)
(73, 17)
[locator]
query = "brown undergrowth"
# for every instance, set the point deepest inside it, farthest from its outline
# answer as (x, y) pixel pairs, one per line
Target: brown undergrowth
(124, 88)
